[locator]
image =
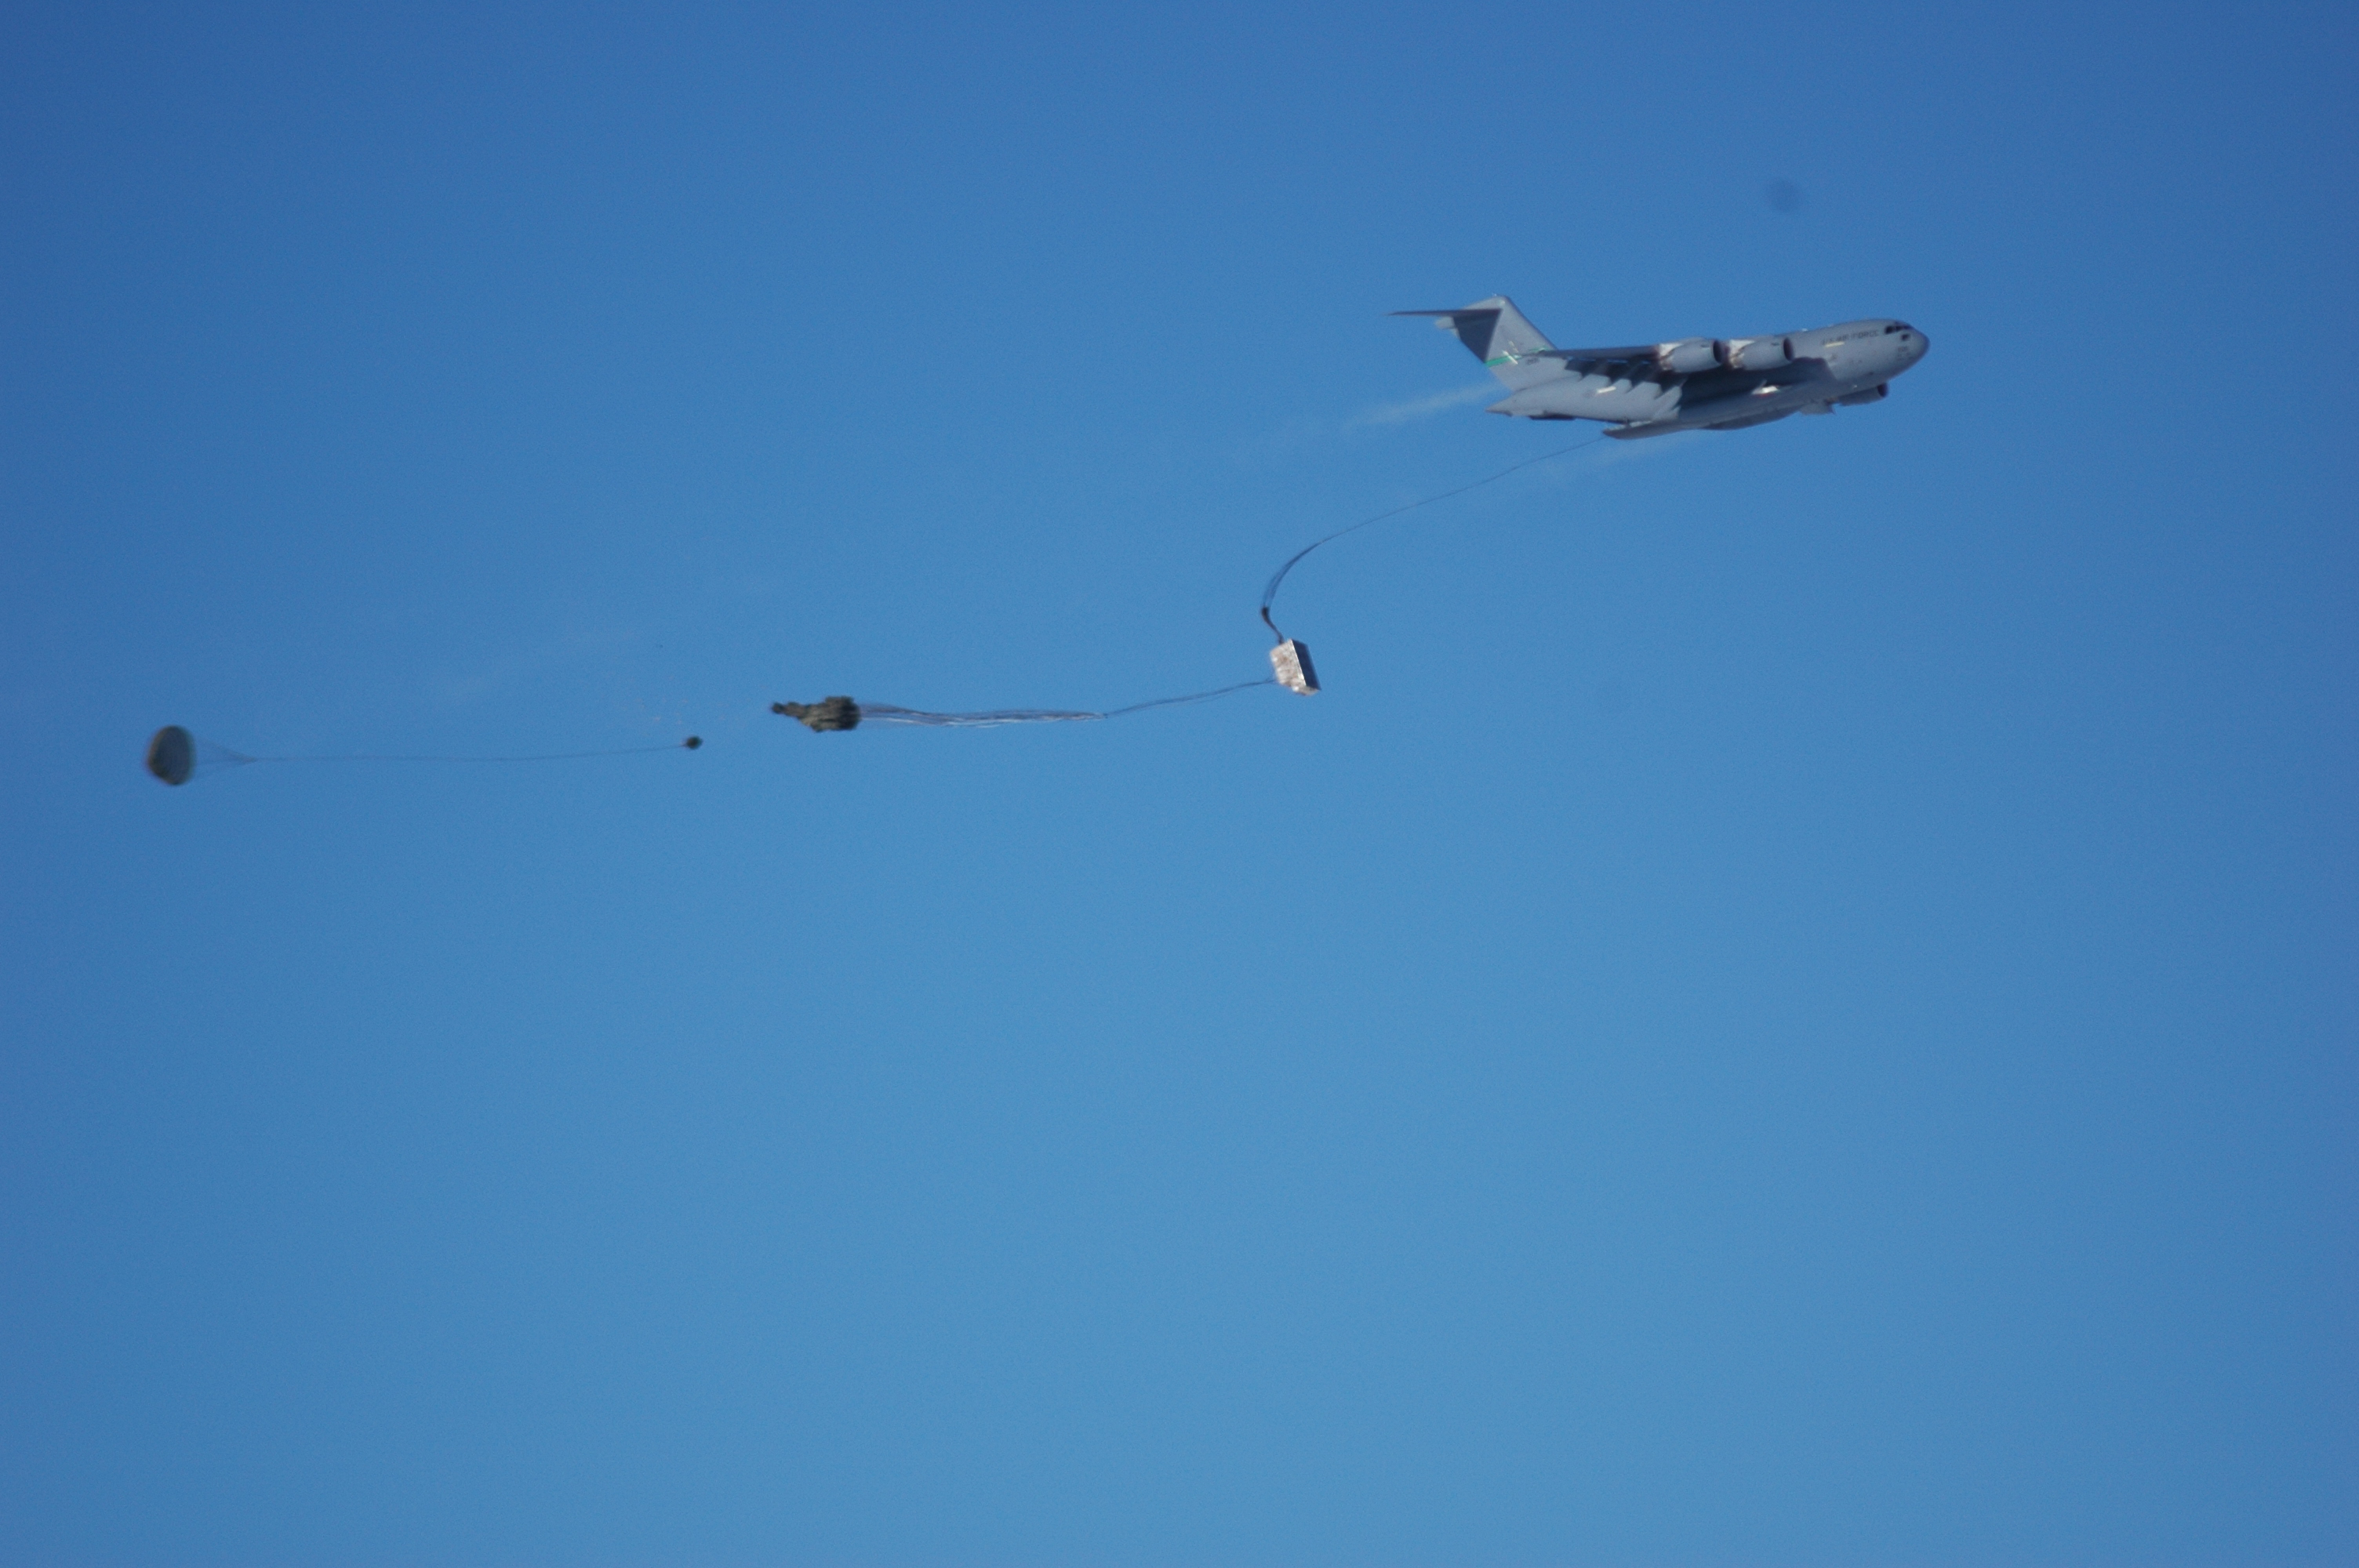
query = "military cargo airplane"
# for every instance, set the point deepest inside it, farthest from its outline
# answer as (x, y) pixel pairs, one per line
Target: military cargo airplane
(1694, 383)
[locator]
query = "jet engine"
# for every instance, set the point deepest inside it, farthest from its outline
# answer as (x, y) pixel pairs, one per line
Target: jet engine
(1689, 355)
(1761, 354)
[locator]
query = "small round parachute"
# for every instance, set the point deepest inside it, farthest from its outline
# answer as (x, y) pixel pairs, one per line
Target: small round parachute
(176, 756)
(173, 755)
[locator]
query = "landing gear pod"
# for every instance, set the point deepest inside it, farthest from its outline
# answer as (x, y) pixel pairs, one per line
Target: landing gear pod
(1291, 661)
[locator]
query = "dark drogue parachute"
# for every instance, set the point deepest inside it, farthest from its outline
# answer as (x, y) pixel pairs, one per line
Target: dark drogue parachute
(175, 755)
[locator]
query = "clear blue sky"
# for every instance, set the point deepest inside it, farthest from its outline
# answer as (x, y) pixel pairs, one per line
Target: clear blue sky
(1793, 1002)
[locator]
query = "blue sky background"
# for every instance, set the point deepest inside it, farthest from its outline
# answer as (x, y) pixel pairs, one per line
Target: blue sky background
(1792, 1002)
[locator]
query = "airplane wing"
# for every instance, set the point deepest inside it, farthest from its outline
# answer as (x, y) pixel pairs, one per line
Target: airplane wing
(1641, 359)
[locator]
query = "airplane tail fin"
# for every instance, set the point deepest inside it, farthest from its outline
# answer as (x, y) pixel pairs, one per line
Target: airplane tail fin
(1500, 337)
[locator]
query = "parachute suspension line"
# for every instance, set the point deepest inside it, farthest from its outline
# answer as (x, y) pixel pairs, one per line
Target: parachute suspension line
(176, 756)
(691, 743)
(1192, 697)
(1269, 592)
(885, 713)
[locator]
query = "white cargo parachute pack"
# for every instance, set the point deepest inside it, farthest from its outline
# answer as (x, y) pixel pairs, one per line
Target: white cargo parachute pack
(1291, 660)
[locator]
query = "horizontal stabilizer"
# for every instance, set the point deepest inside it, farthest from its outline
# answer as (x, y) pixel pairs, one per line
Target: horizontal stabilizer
(1495, 333)
(1474, 328)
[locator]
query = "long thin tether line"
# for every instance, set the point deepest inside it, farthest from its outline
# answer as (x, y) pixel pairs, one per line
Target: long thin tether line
(533, 757)
(1269, 593)
(888, 713)
(1191, 697)
(885, 713)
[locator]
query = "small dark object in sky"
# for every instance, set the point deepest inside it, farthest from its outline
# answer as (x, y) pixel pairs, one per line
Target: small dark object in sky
(828, 713)
(1785, 195)
(172, 754)
(693, 741)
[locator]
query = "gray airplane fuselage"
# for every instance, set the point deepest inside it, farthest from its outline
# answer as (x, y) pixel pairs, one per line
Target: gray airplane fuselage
(1828, 366)
(1690, 383)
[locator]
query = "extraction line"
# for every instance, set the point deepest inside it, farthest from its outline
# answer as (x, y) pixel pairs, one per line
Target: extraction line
(176, 756)
(691, 743)
(885, 713)
(1269, 593)
(1289, 661)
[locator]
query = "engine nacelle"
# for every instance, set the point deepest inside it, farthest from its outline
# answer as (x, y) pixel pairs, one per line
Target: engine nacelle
(1689, 355)
(1761, 354)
